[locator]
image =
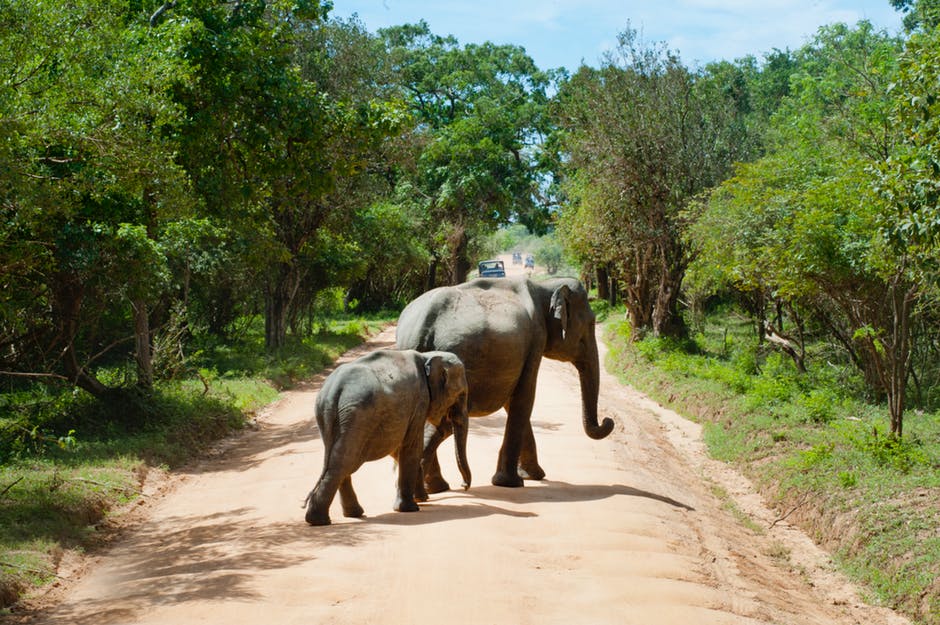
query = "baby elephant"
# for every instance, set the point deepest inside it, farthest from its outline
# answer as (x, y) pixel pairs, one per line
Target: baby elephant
(377, 406)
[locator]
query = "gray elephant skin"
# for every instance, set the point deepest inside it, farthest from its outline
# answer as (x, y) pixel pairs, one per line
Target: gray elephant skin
(378, 405)
(501, 329)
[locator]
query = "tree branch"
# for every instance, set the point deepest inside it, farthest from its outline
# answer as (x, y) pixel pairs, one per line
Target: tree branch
(11, 485)
(785, 344)
(159, 12)
(29, 569)
(35, 375)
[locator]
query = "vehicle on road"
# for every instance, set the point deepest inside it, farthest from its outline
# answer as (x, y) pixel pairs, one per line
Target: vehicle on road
(491, 269)
(530, 261)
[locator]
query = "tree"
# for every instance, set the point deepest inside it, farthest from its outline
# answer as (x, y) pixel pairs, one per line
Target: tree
(909, 185)
(89, 177)
(645, 136)
(808, 222)
(273, 143)
(918, 14)
(478, 111)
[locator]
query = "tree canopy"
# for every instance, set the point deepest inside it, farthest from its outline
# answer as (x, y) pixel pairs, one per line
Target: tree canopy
(187, 164)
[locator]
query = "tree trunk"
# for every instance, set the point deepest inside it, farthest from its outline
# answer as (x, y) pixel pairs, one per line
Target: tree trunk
(279, 297)
(143, 351)
(666, 319)
(275, 318)
(460, 263)
(902, 299)
(603, 282)
(432, 273)
(67, 296)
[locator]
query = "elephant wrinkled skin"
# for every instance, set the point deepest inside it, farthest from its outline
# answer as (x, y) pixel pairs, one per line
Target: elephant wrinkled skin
(501, 329)
(378, 405)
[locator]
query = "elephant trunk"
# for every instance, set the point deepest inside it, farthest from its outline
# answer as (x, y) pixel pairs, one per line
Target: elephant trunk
(589, 374)
(461, 422)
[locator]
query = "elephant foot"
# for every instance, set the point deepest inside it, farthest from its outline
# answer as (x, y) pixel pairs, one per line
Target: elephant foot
(436, 484)
(354, 512)
(314, 517)
(507, 479)
(406, 506)
(534, 472)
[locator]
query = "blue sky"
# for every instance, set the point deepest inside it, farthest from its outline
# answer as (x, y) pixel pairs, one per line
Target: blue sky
(565, 33)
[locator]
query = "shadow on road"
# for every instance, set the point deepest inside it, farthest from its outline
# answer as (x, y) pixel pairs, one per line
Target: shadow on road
(430, 513)
(495, 424)
(209, 558)
(550, 490)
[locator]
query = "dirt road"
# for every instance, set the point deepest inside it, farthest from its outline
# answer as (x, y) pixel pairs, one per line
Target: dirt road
(624, 530)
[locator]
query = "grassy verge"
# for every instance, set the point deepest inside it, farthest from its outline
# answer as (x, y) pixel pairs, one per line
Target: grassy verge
(816, 450)
(67, 460)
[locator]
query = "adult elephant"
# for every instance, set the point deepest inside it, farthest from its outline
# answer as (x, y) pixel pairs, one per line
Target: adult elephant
(501, 329)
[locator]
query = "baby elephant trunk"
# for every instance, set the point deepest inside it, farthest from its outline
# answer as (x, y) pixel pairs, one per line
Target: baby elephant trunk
(456, 421)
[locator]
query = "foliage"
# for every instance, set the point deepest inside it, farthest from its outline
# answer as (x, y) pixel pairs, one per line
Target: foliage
(812, 233)
(478, 111)
(813, 444)
(643, 136)
(88, 177)
(918, 14)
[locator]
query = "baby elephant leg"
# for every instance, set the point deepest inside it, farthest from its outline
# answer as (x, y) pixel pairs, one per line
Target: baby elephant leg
(320, 499)
(409, 467)
(431, 468)
(347, 497)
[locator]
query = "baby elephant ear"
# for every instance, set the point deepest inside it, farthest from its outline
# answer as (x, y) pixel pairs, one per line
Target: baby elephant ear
(436, 372)
(559, 307)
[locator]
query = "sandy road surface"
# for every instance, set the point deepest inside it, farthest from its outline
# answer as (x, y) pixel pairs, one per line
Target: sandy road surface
(624, 530)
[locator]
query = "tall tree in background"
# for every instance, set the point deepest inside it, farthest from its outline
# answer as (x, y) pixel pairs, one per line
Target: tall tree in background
(272, 144)
(921, 15)
(909, 185)
(372, 238)
(807, 224)
(645, 135)
(479, 113)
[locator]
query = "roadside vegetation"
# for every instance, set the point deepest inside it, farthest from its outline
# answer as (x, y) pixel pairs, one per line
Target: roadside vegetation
(818, 449)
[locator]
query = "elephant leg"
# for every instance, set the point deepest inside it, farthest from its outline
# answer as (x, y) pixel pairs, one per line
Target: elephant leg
(529, 467)
(321, 497)
(519, 410)
(421, 493)
(347, 497)
(409, 467)
(433, 480)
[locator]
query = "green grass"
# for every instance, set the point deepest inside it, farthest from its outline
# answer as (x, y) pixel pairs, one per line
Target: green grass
(67, 460)
(810, 442)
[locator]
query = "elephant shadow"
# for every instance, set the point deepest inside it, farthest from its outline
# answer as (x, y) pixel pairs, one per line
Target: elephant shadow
(431, 513)
(553, 490)
(473, 504)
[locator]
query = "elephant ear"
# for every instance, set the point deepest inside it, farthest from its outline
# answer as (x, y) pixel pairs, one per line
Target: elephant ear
(437, 375)
(559, 307)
